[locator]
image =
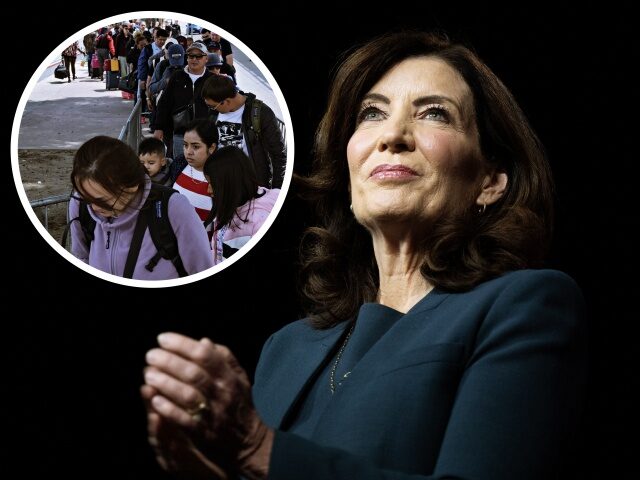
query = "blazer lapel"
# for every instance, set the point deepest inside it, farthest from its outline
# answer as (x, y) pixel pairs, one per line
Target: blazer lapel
(310, 361)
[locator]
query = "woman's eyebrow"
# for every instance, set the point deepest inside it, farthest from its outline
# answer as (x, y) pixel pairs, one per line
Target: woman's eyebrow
(418, 102)
(427, 99)
(377, 97)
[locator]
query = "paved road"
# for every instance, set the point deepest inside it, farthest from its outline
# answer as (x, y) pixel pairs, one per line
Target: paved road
(65, 115)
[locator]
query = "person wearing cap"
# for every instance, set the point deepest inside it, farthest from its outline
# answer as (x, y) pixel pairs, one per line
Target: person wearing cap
(183, 91)
(155, 60)
(173, 61)
(214, 62)
(238, 115)
(216, 65)
(224, 49)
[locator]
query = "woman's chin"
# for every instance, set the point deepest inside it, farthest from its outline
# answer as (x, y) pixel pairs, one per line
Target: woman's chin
(386, 215)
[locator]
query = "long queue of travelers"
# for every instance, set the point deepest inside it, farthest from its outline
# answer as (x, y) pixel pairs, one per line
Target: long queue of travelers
(200, 187)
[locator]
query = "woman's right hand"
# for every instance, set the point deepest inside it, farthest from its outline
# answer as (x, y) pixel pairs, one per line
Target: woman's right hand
(174, 450)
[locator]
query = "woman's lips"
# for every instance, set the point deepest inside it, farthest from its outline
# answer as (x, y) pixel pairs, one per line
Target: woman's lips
(392, 171)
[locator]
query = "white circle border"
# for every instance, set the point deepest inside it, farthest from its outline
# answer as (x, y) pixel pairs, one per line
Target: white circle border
(15, 164)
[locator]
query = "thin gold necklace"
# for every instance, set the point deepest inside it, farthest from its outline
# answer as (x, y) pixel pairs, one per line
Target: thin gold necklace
(332, 375)
(196, 182)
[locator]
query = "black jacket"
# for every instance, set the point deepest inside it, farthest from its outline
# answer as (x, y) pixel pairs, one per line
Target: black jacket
(180, 91)
(267, 150)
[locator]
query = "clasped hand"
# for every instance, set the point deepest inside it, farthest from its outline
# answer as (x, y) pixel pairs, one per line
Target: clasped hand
(201, 418)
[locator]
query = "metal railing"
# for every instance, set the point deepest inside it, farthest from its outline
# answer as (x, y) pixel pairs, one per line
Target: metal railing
(131, 132)
(46, 203)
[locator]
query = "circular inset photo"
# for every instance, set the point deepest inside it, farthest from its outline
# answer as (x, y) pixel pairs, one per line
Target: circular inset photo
(152, 149)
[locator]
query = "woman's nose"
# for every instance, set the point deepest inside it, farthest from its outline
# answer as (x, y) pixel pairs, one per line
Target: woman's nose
(396, 136)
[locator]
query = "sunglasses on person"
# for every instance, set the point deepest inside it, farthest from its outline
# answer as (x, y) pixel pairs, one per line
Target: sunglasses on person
(191, 56)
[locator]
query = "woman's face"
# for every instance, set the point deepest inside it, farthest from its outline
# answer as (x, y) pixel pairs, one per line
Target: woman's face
(104, 202)
(415, 152)
(195, 150)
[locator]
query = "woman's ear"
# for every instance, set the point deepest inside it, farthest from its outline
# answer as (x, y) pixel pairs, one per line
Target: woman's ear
(212, 148)
(493, 186)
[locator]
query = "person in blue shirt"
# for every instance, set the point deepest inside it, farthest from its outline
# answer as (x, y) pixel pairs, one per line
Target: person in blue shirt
(434, 347)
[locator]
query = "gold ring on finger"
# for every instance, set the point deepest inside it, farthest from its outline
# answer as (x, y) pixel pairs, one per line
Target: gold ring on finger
(197, 412)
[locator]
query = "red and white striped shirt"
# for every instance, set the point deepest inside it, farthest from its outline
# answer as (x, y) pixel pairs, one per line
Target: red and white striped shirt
(192, 184)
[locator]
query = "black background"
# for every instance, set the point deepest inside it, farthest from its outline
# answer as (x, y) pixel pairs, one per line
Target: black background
(74, 345)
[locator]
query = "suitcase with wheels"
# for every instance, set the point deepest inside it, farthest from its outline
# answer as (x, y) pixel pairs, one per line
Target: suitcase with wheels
(113, 79)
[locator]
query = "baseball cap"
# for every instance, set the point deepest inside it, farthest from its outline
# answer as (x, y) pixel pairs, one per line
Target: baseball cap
(198, 46)
(214, 60)
(176, 55)
(169, 42)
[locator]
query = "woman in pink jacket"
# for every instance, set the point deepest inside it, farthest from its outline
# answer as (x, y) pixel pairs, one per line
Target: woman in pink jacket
(240, 206)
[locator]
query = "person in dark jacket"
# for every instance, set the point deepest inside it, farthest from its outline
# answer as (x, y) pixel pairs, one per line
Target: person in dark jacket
(104, 49)
(122, 43)
(145, 71)
(89, 42)
(132, 59)
(236, 124)
(183, 92)
(434, 347)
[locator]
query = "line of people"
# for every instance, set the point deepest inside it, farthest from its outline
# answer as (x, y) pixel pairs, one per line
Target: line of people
(135, 226)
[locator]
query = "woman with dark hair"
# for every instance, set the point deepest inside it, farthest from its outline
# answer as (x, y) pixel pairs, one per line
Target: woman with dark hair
(433, 348)
(240, 205)
(199, 142)
(113, 199)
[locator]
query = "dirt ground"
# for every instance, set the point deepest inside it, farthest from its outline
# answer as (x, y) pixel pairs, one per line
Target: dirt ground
(45, 173)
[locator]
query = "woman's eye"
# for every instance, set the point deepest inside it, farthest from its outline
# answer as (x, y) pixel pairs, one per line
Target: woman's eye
(369, 114)
(436, 112)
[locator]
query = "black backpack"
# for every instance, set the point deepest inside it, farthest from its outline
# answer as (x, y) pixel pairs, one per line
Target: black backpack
(154, 214)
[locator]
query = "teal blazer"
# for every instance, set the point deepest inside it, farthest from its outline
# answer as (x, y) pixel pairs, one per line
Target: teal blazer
(482, 385)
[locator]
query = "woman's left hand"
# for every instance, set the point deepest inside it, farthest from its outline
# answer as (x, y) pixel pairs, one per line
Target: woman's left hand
(201, 387)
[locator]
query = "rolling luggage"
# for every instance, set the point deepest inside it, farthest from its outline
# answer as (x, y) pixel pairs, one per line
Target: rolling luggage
(113, 79)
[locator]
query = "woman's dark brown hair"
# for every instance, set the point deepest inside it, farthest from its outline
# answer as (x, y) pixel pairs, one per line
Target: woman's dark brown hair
(233, 180)
(339, 271)
(108, 162)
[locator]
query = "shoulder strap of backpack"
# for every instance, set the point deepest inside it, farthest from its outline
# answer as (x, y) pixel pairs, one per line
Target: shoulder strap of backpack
(134, 248)
(161, 230)
(87, 222)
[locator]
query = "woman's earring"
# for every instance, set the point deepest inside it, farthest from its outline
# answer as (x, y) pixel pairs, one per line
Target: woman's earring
(351, 207)
(482, 208)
